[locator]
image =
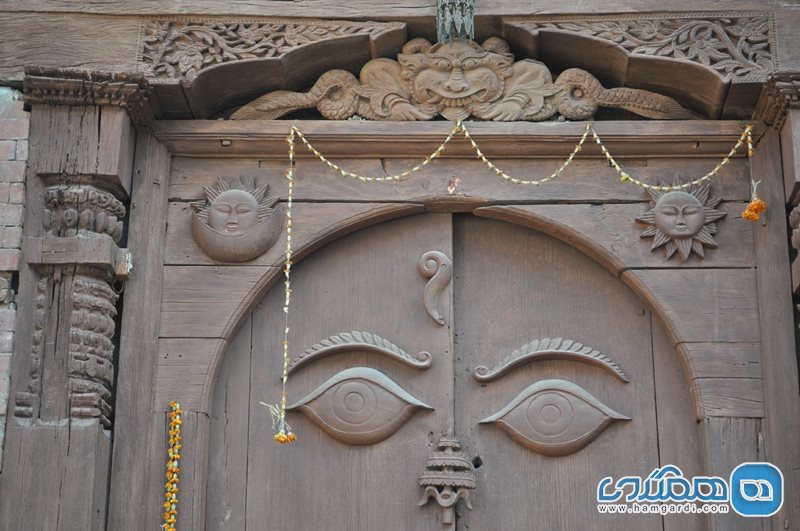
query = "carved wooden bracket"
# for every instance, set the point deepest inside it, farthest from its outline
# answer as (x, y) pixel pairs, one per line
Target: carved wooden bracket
(459, 80)
(737, 46)
(780, 93)
(181, 49)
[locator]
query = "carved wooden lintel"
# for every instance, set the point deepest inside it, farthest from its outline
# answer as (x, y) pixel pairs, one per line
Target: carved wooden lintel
(458, 80)
(780, 93)
(61, 86)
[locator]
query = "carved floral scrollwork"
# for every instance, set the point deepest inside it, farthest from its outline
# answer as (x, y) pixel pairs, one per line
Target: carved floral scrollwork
(737, 47)
(181, 49)
(458, 80)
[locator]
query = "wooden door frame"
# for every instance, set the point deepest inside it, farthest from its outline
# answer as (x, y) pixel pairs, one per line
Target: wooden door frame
(140, 442)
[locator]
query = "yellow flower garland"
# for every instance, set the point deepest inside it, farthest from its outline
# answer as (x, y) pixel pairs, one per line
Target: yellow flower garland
(173, 468)
(283, 432)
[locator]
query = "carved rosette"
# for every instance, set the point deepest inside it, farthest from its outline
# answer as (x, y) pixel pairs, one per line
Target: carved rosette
(458, 80)
(180, 49)
(739, 46)
(780, 93)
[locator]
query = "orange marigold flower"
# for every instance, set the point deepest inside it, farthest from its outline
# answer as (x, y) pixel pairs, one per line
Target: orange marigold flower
(751, 215)
(757, 205)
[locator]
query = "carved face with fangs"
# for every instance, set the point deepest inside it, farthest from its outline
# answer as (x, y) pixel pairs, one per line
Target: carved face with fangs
(451, 76)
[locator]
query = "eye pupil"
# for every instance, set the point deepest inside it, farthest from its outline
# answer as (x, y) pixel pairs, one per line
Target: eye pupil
(354, 402)
(550, 414)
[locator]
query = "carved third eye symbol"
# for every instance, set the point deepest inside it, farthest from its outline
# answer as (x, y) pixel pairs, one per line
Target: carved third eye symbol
(359, 406)
(554, 418)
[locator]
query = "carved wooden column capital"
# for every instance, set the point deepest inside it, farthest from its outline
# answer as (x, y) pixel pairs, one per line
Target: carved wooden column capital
(781, 92)
(82, 138)
(61, 86)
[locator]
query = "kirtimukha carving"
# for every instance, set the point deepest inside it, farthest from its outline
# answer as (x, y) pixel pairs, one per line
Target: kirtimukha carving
(436, 266)
(682, 221)
(447, 478)
(238, 221)
(458, 80)
(359, 406)
(360, 341)
(549, 349)
(554, 418)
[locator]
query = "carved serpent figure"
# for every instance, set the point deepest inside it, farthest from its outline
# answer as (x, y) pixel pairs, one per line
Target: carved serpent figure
(459, 80)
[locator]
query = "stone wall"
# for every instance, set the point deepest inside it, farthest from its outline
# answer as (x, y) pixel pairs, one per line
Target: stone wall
(13, 157)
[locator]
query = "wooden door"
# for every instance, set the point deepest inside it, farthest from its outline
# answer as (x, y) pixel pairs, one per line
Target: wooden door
(342, 479)
(513, 289)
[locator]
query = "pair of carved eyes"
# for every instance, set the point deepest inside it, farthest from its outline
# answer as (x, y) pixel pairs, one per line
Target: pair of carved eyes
(445, 64)
(362, 406)
(241, 208)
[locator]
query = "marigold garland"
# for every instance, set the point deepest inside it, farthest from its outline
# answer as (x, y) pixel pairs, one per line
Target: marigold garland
(283, 432)
(173, 468)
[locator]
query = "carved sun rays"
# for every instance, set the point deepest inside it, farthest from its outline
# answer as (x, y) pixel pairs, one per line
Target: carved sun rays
(670, 213)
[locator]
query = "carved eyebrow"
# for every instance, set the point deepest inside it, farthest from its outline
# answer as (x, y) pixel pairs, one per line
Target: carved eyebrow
(549, 349)
(360, 341)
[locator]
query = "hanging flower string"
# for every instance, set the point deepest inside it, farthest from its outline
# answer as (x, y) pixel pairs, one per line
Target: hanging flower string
(283, 432)
(173, 468)
(757, 206)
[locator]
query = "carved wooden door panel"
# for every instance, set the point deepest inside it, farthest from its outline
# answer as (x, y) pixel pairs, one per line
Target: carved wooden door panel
(376, 387)
(544, 367)
(554, 365)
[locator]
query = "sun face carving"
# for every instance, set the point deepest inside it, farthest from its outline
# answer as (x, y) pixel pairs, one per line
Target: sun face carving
(682, 221)
(237, 222)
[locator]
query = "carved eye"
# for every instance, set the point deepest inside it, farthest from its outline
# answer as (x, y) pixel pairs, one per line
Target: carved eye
(668, 211)
(222, 207)
(554, 418)
(359, 406)
(690, 210)
(444, 64)
(243, 208)
(470, 64)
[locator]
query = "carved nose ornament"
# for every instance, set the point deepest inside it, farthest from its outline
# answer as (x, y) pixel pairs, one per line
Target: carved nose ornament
(447, 478)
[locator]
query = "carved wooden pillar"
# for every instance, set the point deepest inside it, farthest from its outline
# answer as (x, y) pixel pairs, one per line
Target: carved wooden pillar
(79, 175)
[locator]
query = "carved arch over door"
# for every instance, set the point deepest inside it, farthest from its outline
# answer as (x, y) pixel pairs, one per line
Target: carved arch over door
(716, 69)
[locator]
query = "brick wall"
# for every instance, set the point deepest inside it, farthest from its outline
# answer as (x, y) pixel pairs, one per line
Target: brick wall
(13, 154)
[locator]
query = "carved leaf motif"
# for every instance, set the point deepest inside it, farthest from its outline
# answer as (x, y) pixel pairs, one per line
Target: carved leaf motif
(361, 341)
(549, 349)
(729, 45)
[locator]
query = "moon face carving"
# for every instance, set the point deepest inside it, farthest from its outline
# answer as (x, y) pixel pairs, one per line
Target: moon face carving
(237, 222)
